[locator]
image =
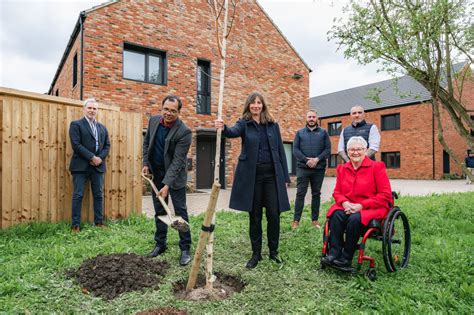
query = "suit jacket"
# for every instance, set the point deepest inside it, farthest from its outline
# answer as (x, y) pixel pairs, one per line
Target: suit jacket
(368, 185)
(176, 148)
(241, 196)
(83, 145)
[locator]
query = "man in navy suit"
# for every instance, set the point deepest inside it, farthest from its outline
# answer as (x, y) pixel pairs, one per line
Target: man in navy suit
(90, 143)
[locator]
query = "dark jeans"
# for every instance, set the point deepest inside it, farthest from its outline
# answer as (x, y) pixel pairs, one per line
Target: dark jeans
(265, 195)
(304, 177)
(178, 197)
(340, 223)
(79, 180)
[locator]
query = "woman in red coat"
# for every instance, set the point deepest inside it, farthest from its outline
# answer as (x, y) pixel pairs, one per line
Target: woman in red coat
(362, 193)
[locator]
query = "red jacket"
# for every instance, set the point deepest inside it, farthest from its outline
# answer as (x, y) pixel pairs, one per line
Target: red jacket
(368, 185)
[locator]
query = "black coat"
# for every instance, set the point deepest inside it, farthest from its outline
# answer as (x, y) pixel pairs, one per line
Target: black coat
(241, 197)
(176, 148)
(83, 145)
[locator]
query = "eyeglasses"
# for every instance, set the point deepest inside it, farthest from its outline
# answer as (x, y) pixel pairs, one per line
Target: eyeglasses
(171, 111)
(352, 150)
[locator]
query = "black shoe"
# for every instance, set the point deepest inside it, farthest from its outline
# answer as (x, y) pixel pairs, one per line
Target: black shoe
(185, 258)
(328, 260)
(342, 262)
(253, 262)
(275, 258)
(158, 250)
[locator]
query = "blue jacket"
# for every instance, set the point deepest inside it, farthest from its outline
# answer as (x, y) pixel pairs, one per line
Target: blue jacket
(311, 144)
(83, 145)
(241, 197)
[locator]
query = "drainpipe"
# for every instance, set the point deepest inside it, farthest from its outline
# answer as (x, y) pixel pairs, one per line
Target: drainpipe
(433, 138)
(81, 20)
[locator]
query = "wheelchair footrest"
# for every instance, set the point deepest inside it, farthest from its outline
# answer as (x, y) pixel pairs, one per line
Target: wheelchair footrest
(343, 269)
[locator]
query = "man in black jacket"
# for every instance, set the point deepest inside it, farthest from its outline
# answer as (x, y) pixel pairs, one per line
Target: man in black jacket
(165, 148)
(91, 145)
(311, 148)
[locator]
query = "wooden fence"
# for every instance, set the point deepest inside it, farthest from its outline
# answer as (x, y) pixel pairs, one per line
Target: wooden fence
(35, 151)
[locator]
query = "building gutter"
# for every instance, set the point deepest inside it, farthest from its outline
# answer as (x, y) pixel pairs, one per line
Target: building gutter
(82, 17)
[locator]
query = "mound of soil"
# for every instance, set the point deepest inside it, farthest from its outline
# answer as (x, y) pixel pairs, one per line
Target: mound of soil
(223, 287)
(163, 311)
(108, 276)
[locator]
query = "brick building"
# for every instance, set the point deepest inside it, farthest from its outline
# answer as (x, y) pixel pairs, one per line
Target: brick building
(405, 119)
(133, 53)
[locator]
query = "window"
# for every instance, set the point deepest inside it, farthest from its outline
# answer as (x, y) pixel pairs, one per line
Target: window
(334, 128)
(391, 122)
(57, 92)
(391, 159)
(74, 70)
(290, 158)
(334, 160)
(144, 64)
(203, 98)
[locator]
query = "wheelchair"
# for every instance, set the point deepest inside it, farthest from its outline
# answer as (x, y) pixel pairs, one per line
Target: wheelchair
(394, 233)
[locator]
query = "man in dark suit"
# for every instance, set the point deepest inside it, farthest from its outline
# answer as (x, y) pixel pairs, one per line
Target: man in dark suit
(165, 147)
(90, 143)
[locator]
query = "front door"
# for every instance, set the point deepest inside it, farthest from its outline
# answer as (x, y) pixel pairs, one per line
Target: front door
(205, 154)
(446, 165)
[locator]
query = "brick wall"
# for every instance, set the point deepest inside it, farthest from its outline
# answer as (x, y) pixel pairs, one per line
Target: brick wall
(64, 81)
(258, 58)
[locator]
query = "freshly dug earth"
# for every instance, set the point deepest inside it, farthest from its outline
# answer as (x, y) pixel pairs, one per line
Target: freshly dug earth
(223, 287)
(108, 276)
(163, 311)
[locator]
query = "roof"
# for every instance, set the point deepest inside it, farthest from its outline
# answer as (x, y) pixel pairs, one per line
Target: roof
(404, 92)
(72, 38)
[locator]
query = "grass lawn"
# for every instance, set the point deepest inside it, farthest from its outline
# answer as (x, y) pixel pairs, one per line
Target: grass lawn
(439, 278)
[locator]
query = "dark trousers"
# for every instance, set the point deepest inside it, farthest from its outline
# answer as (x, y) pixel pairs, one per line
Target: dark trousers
(306, 176)
(340, 223)
(178, 197)
(79, 180)
(265, 195)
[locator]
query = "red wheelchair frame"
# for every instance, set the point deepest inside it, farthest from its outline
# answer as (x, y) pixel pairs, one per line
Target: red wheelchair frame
(389, 234)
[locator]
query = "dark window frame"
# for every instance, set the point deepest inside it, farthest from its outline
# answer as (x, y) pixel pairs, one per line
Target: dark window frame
(147, 52)
(74, 70)
(206, 93)
(472, 131)
(57, 92)
(334, 131)
(332, 163)
(395, 163)
(386, 122)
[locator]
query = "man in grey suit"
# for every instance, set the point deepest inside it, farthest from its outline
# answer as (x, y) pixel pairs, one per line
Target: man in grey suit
(165, 148)
(91, 145)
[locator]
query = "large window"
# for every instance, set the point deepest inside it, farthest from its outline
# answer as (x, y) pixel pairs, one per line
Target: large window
(472, 131)
(144, 64)
(74, 70)
(203, 98)
(334, 128)
(391, 159)
(290, 158)
(334, 160)
(391, 122)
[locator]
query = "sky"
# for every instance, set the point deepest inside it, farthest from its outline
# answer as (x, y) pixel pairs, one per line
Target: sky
(34, 34)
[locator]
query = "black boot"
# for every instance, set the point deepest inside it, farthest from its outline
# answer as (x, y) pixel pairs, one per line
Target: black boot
(253, 262)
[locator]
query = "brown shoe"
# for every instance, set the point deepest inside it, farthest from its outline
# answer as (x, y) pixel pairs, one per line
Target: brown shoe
(316, 224)
(295, 224)
(75, 229)
(101, 225)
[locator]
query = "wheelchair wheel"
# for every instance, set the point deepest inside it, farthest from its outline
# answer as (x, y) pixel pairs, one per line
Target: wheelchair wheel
(396, 241)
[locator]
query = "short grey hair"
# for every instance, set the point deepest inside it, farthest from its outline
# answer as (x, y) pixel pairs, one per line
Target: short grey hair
(357, 106)
(89, 100)
(356, 140)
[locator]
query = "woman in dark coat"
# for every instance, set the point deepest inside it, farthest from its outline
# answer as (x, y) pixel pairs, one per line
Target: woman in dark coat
(261, 174)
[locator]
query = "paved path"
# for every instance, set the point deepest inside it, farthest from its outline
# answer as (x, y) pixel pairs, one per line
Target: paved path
(197, 202)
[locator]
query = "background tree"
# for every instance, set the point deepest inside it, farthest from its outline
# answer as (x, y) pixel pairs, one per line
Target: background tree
(419, 38)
